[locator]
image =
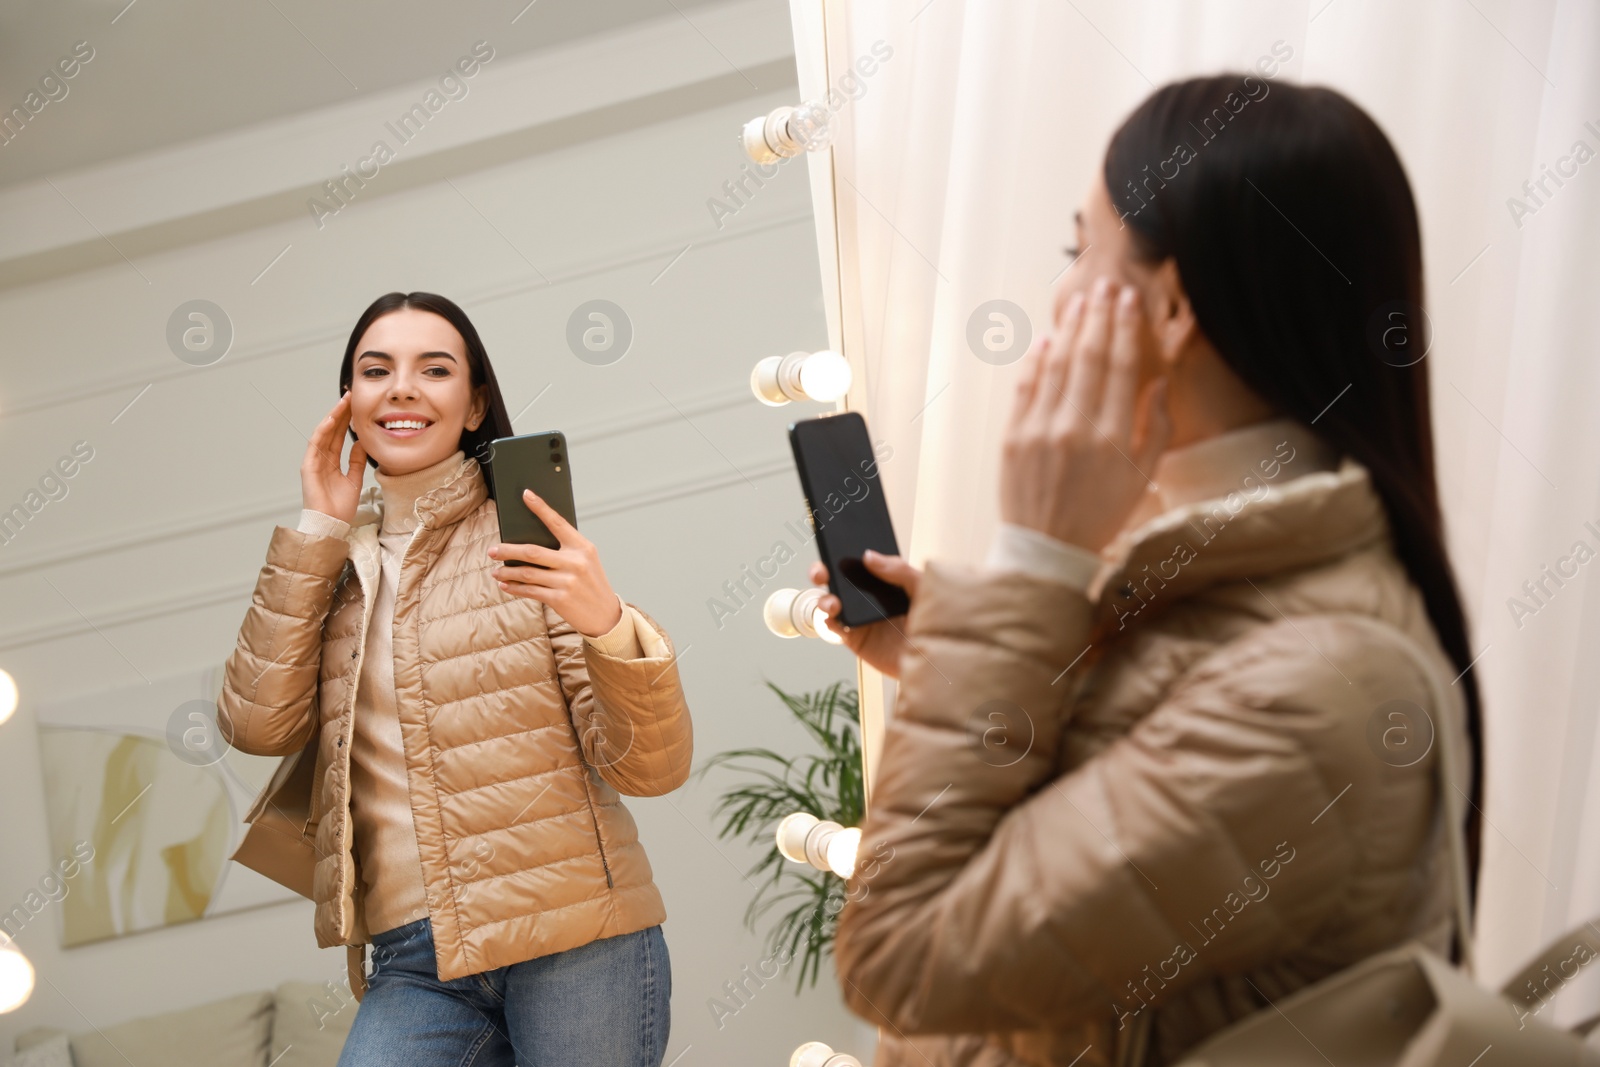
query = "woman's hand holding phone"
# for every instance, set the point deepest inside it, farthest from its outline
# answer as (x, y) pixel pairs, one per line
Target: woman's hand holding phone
(1083, 434)
(879, 643)
(323, 487)
(569, 579)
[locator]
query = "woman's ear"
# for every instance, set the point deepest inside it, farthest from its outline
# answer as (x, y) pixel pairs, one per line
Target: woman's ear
(1172, 318)
(480, 407)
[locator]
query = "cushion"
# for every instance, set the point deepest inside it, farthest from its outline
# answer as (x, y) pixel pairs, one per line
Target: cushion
(311, 1023)
(232, 1032)
(43, 1051)
(36, 1035)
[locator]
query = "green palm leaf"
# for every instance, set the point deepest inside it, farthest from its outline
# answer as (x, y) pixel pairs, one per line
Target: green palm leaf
(827, 783)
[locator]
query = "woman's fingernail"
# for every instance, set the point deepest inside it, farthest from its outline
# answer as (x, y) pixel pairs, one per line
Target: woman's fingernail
(1102, 289)
(1129, 297)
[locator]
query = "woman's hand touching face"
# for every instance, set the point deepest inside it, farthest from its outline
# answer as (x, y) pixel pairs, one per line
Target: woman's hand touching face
(323, 486)
(1090, 416)
(1083, 437)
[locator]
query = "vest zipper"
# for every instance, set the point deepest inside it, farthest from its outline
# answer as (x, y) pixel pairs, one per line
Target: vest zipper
(360, 656)
(594, 814)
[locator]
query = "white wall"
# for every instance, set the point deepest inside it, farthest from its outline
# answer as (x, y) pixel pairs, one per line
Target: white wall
(145, 569)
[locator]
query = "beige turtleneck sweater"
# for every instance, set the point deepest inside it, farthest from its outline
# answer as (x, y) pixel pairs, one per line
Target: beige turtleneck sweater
(380, 798)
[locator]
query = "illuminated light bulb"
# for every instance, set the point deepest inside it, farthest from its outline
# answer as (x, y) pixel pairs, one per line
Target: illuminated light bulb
(841, 851)
(794, 613)
(792, 831)
(8, 696)
(819, 623)
(817, 1054)
(823, 843)
(16, 979)
(823, 376)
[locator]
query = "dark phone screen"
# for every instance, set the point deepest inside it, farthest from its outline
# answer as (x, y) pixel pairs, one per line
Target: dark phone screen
(849, 513)
(537, 461)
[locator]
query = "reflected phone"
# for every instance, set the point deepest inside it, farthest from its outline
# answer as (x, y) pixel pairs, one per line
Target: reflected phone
(537, 461)
(848, 511)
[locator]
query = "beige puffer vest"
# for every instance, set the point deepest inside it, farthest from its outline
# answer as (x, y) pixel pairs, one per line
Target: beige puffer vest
(518, 735)
(1127, 819)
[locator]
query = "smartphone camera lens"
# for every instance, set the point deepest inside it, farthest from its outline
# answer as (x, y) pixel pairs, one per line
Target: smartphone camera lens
(556, 456)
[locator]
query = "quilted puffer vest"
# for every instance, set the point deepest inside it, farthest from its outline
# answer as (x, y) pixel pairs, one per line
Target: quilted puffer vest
(519, 737)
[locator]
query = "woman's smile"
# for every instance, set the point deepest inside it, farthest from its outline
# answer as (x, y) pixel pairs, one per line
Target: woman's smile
(401, 424)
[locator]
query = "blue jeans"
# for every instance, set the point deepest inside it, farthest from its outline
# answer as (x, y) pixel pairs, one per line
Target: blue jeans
(604, 1004)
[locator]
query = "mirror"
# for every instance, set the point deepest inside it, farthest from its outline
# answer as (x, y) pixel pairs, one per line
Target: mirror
(200, 202)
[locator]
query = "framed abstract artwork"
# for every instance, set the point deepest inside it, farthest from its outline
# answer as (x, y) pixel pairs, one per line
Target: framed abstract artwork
(143, 793)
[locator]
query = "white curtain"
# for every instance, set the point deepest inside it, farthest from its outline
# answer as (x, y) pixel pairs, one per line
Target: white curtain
(959, 160)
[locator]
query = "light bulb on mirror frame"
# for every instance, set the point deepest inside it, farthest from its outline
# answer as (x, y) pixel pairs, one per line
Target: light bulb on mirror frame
(794, 613)
(801, 837)
(819, 623)
(840, 851)
(823, 376)
(818, 1054)
(793, 829)
(8, 696)
(16, 978)
(786, 131)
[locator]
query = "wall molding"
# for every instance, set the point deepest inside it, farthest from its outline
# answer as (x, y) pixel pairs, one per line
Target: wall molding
(127, 383)
(398, 177)
(239, 592)
(260, 509)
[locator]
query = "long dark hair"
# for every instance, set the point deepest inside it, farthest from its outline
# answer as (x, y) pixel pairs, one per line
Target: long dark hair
(496, 423)
(1294, 231)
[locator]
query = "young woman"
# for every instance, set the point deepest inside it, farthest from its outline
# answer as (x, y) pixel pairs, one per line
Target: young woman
(473, 725)
(1171, 756)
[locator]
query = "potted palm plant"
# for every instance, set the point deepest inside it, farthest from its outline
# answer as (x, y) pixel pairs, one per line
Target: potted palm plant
(827, 782)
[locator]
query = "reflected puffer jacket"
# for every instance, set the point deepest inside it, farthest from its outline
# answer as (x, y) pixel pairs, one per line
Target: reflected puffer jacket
(1106, 825)
(518, 735)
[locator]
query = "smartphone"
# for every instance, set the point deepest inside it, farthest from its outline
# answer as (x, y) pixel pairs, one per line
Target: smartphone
(537, 461)
(849, 513)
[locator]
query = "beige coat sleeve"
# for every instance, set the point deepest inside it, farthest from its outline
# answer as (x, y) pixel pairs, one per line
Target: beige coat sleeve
(994, 892)
(630, 714)
(268, 703)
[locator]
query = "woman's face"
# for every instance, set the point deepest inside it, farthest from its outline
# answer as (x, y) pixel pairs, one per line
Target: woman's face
(1104, 248)
(410, 366)
(1204, 396)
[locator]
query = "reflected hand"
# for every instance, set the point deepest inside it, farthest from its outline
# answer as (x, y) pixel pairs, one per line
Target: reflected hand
(323, 486)
(879, 643)
(569, 579)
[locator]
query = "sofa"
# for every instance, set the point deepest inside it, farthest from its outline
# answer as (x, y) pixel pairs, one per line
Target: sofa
(298, 1024)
